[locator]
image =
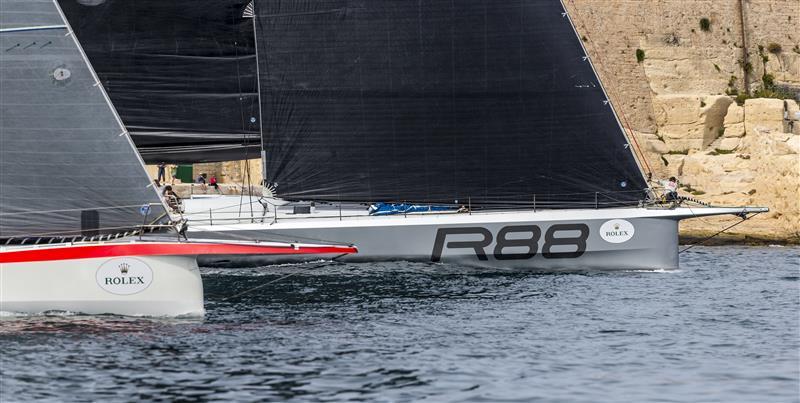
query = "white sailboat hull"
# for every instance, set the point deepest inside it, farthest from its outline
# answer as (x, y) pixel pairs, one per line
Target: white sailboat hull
(171, 287)
(125, 277)
(548, 240)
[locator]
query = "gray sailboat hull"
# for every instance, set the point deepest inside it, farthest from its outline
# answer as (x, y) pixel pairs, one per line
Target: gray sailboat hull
(551, 240)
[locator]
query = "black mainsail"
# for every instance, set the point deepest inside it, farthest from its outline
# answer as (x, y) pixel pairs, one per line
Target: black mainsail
(435, 101)
(181, 73)
(67, 165)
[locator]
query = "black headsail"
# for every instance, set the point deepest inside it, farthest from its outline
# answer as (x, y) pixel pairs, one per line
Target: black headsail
(435, 100)
(181, 73)
(67, 165)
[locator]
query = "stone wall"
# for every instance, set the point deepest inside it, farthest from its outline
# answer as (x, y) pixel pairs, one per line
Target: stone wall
(230, 172)
(679, 100)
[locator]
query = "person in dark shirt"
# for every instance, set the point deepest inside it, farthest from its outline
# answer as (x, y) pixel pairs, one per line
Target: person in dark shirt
(162, 172)
(172, 198)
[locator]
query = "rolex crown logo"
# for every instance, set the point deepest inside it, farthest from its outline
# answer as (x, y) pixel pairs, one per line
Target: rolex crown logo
(124, 267)
(616, 226)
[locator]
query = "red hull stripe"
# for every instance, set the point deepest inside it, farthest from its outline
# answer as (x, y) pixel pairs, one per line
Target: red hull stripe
(161, 249)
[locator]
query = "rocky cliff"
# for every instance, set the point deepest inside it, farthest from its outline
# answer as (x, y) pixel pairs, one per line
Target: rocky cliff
(680, 73)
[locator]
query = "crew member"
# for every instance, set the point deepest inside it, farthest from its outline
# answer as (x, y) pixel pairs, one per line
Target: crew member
(670, 189)
(172, 198)
(162, 172)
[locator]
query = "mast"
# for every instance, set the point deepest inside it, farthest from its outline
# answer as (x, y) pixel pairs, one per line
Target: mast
(252, 6)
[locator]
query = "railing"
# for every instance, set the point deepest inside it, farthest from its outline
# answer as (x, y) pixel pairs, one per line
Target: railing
(51, 238)
(536, 203)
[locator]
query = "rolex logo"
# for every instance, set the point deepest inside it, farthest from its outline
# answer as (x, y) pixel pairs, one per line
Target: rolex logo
(124, 267)
(617, 231)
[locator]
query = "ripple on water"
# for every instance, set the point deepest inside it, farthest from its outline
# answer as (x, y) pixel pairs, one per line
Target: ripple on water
(718, 330)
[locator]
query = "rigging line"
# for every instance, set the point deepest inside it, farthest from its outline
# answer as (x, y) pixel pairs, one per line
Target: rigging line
(699, 218)
(281, 237)
(745, 218)
(621, 111)
(279, 279)
(245, 135)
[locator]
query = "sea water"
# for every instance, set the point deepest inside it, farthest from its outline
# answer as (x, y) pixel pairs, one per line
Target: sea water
(723, 328)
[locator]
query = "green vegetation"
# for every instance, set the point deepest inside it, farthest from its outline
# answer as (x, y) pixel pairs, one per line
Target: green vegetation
(768, 87)
(768, 80)
(690, 189)
(740, 98)
(764, 57)
(678, 152)
(705, 24)
(732, 90)
(773, 92)
(639, 55)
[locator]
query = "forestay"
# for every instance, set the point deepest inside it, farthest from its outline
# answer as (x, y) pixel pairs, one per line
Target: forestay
(67, 166)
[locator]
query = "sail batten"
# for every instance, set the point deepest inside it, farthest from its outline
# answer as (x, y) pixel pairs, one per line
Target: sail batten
(435, 101)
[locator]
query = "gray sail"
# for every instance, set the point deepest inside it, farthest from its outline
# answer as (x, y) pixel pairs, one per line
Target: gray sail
(67, 165)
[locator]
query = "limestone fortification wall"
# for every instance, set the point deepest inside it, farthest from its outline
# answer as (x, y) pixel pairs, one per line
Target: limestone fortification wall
(679, 99)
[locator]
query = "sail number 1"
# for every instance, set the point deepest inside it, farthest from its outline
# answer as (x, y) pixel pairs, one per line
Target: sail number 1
(574, 241)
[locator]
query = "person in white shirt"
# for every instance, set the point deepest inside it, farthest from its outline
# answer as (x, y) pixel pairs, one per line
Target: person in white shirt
(670, 188)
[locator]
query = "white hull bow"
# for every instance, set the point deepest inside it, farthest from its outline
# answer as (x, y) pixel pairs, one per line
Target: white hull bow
(124, 278)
